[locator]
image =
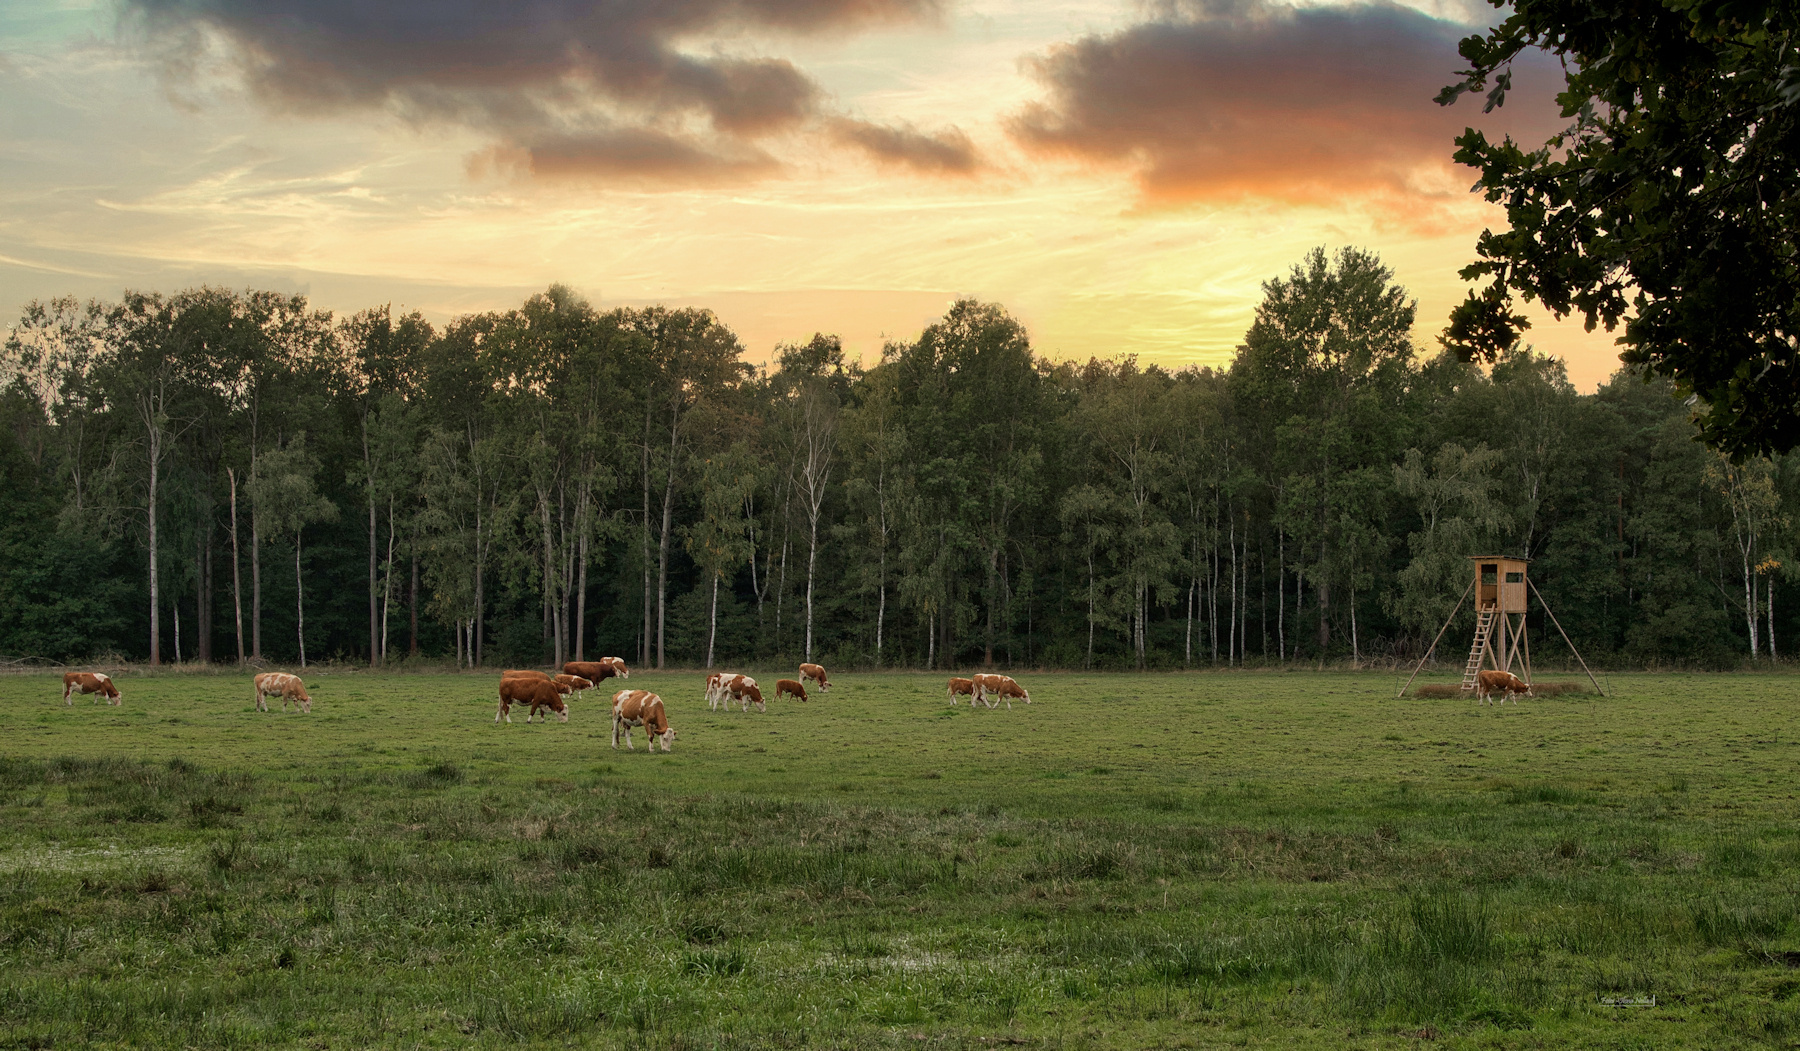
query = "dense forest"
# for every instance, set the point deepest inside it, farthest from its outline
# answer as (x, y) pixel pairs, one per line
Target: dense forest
(219, 476)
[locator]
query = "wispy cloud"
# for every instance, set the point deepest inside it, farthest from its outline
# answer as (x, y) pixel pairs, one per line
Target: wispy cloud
(631, 89)
(947, 152)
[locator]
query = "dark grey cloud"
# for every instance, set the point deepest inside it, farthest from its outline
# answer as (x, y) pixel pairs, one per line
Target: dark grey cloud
(947, 152)
(605, 86)
(1236, 98)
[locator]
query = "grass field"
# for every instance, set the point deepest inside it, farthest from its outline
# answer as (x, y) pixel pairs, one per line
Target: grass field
(1274, 859)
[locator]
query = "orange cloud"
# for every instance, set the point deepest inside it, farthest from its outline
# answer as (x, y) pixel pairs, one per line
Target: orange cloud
(1226, 101)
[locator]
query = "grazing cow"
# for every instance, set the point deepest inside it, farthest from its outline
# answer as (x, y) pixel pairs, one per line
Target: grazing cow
(288, 686)
(816, 674)
(598, 671)
(1503, 682)
(958, 687)
(572, 683)
(788, 687)
(90, 682)
(715, 689)
(538, 693)
(1000, 686)
(641, 708)
(743, 689)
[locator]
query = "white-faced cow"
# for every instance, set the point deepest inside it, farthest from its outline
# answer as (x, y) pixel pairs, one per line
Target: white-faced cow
(641, 708)
(724, 687)
(715, 684)
(789, 688)
(1000, 686)
(90, 682)
(961, 688)
(287, 687)
(815, 673)
(540, 693)
(1505, 683)
(743, 689)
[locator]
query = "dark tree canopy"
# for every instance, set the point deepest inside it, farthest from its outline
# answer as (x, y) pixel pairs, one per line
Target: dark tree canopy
(1668, 203)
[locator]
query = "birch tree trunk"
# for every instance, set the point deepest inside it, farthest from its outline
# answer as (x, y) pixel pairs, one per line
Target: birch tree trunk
(662, 558)
(812, 557)
(387, 587)
(581, 593)
(1750, 610)
(299, 600)
(237, 588)
(369, 475)
(644, 649)
(712, 622)
(255, 558)
(150, 407)
(1231, 638)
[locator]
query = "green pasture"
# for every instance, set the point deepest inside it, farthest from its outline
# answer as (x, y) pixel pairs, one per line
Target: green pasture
(1198, 860)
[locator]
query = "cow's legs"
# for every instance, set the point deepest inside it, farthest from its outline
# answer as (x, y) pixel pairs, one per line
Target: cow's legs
(504, 709)
(68, 694)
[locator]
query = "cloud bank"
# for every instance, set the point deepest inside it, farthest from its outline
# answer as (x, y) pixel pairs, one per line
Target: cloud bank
(567, 88)
(1223, 100)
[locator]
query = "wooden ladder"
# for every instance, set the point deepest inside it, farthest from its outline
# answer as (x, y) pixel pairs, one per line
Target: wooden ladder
(1484, 627)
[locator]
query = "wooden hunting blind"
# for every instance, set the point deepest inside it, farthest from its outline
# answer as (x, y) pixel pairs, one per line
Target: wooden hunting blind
(1500, 587)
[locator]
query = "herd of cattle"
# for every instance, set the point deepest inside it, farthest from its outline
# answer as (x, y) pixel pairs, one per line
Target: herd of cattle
(542, 693)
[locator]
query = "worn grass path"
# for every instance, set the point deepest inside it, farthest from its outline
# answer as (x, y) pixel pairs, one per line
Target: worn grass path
(1262, 859)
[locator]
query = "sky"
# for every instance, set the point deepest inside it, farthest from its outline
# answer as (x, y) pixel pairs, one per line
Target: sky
(1122, 175)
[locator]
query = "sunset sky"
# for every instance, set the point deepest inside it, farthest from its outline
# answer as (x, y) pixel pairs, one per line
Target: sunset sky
(1122, 176)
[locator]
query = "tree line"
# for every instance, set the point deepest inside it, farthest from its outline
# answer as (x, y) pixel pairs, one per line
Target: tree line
(217, 475)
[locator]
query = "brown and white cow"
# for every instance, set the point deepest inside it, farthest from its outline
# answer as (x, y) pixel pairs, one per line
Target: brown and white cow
(90, 682)
(539, 693)
(814, 672)
(641, 708)
(961, 687)
(1505, 683)
(598, 671)
(1001, 686)
(289, 687)
(789, 688)
(566, 684)
(573, 683)
(743, 689)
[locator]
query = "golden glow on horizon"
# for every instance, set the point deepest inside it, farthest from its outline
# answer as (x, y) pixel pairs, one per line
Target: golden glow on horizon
(115, 187)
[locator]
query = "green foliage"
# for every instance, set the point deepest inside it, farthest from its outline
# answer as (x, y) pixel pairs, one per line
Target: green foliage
(1668, 203)
(565, 481)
